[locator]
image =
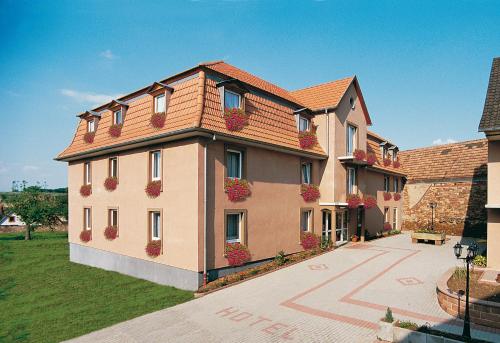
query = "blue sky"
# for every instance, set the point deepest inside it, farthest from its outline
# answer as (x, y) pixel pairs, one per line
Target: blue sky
(423, 66)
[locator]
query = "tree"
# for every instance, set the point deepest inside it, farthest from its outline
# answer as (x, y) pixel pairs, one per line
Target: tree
(36, 208)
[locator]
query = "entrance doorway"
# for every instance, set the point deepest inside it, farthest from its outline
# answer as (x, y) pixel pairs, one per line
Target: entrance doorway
(341, 224)
(326, 232)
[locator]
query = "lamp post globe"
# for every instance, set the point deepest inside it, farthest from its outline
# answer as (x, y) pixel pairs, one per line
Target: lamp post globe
(457, 248)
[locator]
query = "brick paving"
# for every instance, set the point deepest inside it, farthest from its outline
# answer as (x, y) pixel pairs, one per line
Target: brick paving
(335, 297)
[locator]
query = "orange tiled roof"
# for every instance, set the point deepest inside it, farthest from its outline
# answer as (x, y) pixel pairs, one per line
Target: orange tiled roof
(449, 161)
(373, 146)
(324, 95)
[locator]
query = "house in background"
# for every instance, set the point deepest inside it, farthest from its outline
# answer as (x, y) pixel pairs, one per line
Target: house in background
(10, 220)
(490, 125)
(216, 176)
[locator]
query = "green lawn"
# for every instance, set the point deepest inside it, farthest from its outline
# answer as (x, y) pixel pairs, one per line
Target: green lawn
(46, 298)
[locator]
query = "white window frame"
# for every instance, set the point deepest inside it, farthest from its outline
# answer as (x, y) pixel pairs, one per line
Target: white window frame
(394, 155)
(91, 125)
(395, 184)
(240, 161)
(153, 155)
(240, 223)
(308, 221)
(87, 218)
(351, 181)
(309, 166)
(153, 222)
(387, 214)
(87, 176)
(351, 140)
(112, 222)
(387, 183)
(156, 101)
(306, 120)
(395, 218)
(234, 93)
(115, 117)
(113, 165)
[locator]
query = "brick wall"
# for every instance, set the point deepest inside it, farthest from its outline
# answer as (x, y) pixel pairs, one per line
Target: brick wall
(460, 207)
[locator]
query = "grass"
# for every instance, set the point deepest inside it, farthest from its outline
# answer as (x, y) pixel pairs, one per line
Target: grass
(46, 298)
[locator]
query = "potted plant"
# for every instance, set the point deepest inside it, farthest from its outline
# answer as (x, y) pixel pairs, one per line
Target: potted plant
(153, 248)
(115, 130)
(153, 189)
(397, 196)
(359, 155)
(387, 196)
(110, 183)
(386, 327)
(369, 202)
(387, 162)
(157, 120)
(387, 228)
(309, 192)
(309, 240)
(236, 189)
(86, 190)
(428, 235)
(371, 159)
(307, 139)
(237, 254)
(396, 163)
(353, 201)
(86, 236)
(236, 119)
(354, 238)
(111, 232)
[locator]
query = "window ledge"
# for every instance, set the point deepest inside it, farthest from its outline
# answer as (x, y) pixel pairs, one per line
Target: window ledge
(492, 206)
(351, 160)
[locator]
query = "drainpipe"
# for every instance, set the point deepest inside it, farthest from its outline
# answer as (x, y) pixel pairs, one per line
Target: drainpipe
(205, 148)
(327, 132)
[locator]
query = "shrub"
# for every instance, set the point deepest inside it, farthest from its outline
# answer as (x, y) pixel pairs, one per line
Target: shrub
(111, 232)
(387, 226)
(460, 273)
(280, 258)
(309, 192)
(157, 120)
(387, 162)
(86, 236)
(407, 325)
(307, 139)
(235, 118)
(309, 240)
(153, 248)
(359, 155)
(353, 201)
(237, 254)
(388, 316)
(325, 244)
(153, 189)
(110, 183)
(88, 137)
(397, 196)
(480, 261)
(86, 190)
(387, 196)
(394, 232)
(115, 130)
(369, 202)
(371, 159)
(354, 238)
(236, 189)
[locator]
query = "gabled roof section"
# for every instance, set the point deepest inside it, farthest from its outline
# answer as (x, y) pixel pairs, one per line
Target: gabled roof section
(490, 121)
(328, 95)
(116, 103)
(158, 85)
(373, 143)
(89, 114)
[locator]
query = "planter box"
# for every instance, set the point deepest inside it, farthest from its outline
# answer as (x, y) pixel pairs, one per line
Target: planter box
(438, 238)
(385, 331)
(409, 336)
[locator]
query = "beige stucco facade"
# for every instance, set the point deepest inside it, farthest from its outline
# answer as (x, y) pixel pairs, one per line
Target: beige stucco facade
(493, 204)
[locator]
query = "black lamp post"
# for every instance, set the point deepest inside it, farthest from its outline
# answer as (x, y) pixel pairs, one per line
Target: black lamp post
(471, 253)
(433, 205)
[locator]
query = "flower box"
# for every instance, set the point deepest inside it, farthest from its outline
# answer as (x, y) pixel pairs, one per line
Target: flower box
(397, 196)
(307, 139)
(428, 235)
(396, 164)
(353, 201)
(236, 119)
(111, 183)
(237, 254)
(236, 189)
(111, 232)
(157, 120)
(86, 236)
(359, 155)
(86, 190)
(387, 196)
(387, 226)
(115, 130)
(88, 137)
(153, 248)
(369, 202)
(387, 162)
(309, 240)
(309, 192)
(371, 159)
(153, 189)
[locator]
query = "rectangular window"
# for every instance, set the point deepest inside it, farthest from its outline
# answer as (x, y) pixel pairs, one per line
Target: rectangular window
(386, 183)
(351, 139)
(113, 167)
(234, 160)
(394, 155)
(351, 181)
(395, 218)
(87, 173)
(395, 184)
(90, 125)
(117, 117)
(113, 217)
(160, 103)
(306, 173)
(233, 227)
(303, 124)
(306, 220)
(155, 222)
(87, 218)
(232, 100)
(155, 157)
(386, 214)
(384, 152)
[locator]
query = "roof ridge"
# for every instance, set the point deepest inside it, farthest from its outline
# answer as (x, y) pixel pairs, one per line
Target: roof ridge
(209, 63)
(444, 145)
(323, 83)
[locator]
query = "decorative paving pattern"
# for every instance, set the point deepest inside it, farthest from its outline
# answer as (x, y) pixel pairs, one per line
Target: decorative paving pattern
(409, 281)
(318, 266)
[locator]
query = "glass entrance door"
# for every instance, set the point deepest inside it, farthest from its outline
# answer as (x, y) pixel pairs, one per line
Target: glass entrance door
(341, 222)
(326, 232)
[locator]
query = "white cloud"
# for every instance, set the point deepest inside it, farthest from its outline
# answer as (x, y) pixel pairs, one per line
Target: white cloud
(30, 168)
(440, 141)
(108, 54)
(88, 97)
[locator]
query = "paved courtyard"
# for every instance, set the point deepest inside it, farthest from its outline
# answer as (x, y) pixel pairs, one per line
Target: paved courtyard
(335, 297)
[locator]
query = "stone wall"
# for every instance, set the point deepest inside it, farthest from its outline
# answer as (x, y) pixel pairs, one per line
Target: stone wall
(460, 207)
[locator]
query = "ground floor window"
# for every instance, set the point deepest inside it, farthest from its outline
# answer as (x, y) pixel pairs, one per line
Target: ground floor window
(234, 226)
(155, 225)
(113, 217)
(395, 218)
(87, 218)
(386, 214)
(306, 220)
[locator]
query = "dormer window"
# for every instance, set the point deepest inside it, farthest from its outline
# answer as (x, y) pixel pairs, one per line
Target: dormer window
(304, 123)
(231, 99)
(394, 155)
(384, 151)
(91, 125)
(117, 117)
(160, 103)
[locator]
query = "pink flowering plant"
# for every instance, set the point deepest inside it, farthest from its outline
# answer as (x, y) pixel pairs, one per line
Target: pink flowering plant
(153, 248)
(371, 159)
(157, 120)
(153, 189)
(359, 155)
(236, 119)
(387, 196)
(115, 130)
(397, 196)
(111, 183)
(309, 240)
(237, 254)
(86, 190)
(353, 201)
(307, 139)
(86, 236)
(111, 232)
(309, 192)
(387, 162)
(369, 202)
(387, 226)
(236, 189)
(88, 137)
(396, 164)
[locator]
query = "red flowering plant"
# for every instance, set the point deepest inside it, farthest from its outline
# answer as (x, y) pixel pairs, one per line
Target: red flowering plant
(157, 120)
(153, 248)
(110, 183)
(309, 240)
(353, 201)
(153, 189)
(236, 119)
(237, 254)
(359, 155)
(86, 236)
(369, 202)
(111, 232)
(397, 196)
(309, 192)
(115, 130)
(387, 162)
(86, 190)
(307, 139)
(387, 226)
(88, 137)
(396, 164)
(371, 159)
(387, 196)
(236, 189)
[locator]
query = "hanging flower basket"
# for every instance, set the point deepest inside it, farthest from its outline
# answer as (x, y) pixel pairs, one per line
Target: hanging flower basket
(387, 196)
(157, 120)
(111, 232)
(236, 189)
(153, 248)
(307, 139)
(396, 164)
(115, 130)
(309, 240)
(153, 189)
(237, 254)
(353, 201)
(369, 202)
(387, 226)
(86, 190)
(397, 196)
(110, 183)
(371, 159)
(309, 192)
(359, 155)
(86, 236)
(236, 119)
(387, 162)
(88, 137)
